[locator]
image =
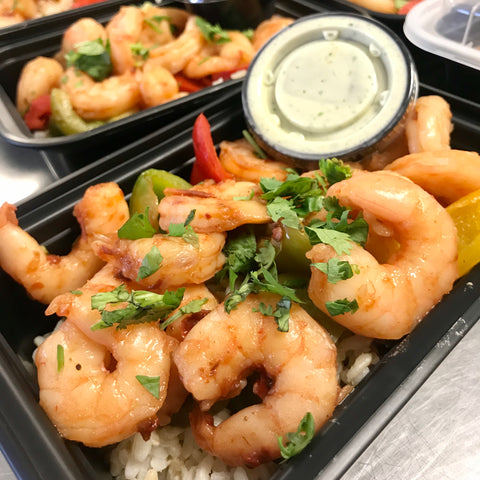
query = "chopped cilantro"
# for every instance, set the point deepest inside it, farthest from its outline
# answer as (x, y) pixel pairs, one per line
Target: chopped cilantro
(256, 148)
(185, 230)
(151, 384)
(193, 306)
(150, 264)
(137, 226)
(334, 170)
(336, 269)
(339, 307)
(60, 358)
(91, 57)
(137, 306)
(213, 33)
(297, 441)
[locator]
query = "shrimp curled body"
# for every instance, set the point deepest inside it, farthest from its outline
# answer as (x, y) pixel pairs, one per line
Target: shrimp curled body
(392, 296)
(299, 366)
(102, 210)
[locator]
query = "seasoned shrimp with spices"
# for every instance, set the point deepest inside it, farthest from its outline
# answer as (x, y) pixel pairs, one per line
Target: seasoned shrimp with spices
(94, 395)
(218, 207)
(175, 55)
(215, 58)
(238, 157)
(298, 375)
(181, 262)
(157, 84)
(84, 30)
(447, 174)
(102, 210)
(393, 294)
(430, 126)
(37, 78)
(101, 100)
(268, 28)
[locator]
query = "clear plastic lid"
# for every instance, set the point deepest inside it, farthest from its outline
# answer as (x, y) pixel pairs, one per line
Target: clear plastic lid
(447, 28)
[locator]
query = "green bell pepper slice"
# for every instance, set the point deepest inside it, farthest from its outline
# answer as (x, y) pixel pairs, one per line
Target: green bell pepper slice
(64, 118)
(148, 191)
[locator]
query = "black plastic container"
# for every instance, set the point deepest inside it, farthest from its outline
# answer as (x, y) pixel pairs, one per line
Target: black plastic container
(124, 131)
(29, 440)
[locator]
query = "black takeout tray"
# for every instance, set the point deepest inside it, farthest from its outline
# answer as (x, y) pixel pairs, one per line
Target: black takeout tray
(29, 440)
(46, 42)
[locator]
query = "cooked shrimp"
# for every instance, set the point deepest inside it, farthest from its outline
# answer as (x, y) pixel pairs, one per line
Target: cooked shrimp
(123, 31)
(238, 157)
(182, 262)
(446, 174)
(430, 127)
(83, 30)
(215, 58)
(159, 24)
(102, 210)
(298, 368)
(96, 397)
(157, 84)
(101, 100)
(175, 55)
(395, 295)
(218, 207)
(268, 28)
(24, 8)
(7, 20)
(37, 78)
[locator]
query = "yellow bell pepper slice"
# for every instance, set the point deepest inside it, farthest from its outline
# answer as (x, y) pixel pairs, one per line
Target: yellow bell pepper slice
(465, 213)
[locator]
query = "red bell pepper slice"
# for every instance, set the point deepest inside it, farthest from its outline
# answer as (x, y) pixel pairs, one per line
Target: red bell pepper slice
(84, 3)
(227, 75)
(207, 164)
(188, 85)
(404, 9)
(38, 114)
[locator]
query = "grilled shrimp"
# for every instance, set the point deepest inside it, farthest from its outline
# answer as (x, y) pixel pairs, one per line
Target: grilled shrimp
(395, 294)
(37, 78)
(430, 127)
(268, 28)
(101, 100)
(298, 370)
(102, 210)
(218, 207)
(214, 58)
(175, 55)
(182, 263)
(238, 157)
(446, 174)
(83, 30)
(96, 397)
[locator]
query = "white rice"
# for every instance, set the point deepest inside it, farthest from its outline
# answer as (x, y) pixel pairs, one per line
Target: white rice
(171, 453)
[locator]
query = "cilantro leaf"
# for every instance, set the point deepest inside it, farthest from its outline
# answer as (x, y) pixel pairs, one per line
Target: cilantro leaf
(297, 441)
(141, 51)
(281, 313)
(334, 170)
(185, 230)
(137, 226)
(137, 306)
(91, 57)
(193, 306)
(256, 148)
(60, 357)
(336, 269)
(339, 307)
(150, 264)
(151, 384)
(282, 209)
(340, 241)
(213, 33)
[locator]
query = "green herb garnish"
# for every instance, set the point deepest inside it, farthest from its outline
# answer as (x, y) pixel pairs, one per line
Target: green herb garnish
(297, 441)
(60, 357)
(91, 57)
(151, 384)
(137, 226)
(213, 33)
(150, 264)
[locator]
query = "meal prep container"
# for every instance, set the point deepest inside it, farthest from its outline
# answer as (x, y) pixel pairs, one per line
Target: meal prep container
(29, 440)
(448, 28)
(121, 132)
